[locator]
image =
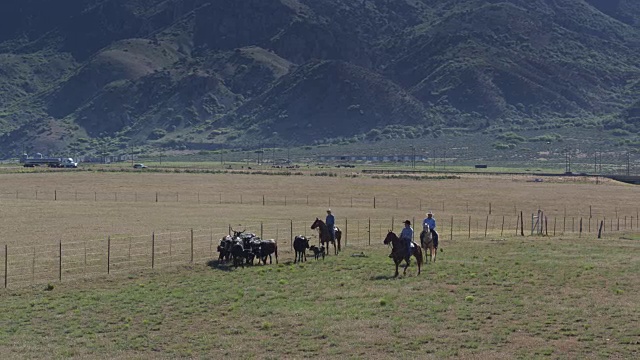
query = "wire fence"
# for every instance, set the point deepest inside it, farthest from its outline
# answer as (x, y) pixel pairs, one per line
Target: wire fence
(66, 261)
(492, 208)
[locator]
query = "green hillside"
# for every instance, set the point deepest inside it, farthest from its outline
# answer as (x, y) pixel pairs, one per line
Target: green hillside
(88, 74)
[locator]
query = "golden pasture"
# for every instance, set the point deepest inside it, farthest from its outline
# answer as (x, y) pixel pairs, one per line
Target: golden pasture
(95, 205)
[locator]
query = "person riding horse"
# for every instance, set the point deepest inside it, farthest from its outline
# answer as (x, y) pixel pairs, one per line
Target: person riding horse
(407, 237)
(430, 221)
(331, 224)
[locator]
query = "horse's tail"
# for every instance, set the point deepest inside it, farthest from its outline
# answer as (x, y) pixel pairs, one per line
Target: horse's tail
(419, 258)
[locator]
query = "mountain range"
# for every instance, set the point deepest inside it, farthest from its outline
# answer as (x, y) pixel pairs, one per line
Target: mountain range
(103, 75)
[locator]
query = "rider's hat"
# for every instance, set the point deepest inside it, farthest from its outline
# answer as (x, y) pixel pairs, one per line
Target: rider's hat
(328, 210)
(407, 222)
(429, 213)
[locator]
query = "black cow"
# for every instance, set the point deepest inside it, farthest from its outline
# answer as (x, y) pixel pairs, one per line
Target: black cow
(300, 245)
(224, 248)
(237, 253)
(267, 247)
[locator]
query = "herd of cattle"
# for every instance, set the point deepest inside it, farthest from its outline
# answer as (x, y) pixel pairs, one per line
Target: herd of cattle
(243, 248)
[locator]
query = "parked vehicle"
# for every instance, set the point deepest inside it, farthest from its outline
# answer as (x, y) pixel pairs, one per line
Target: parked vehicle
(139, 166)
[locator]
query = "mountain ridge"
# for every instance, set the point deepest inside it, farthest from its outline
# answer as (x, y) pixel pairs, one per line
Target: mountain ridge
(164, 73)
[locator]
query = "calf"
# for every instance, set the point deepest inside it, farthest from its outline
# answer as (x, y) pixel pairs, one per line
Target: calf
(317, 251)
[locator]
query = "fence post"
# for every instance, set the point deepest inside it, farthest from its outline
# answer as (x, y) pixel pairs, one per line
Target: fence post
(580, 228)
(489, 208)
(554, 226)
(469, 226)
(156, 196)
(262, 200)
(192, 245)
(261, 228)
(60, 261)
(600, 230)
(521, 223)
(153, 249)
(451, 228)
(502, 231)
(374, 202)
(346, 230)
(55, 195)
(291, 224)
(546, 226)
(6, 265)
(369, 231)
(486, 225)
(392, 222)
(109, 255)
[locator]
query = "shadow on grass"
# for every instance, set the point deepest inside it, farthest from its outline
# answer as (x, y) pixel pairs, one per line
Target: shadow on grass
(220, 265)
(384, 277)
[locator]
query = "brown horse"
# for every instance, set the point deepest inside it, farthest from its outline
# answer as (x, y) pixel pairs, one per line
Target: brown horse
(325, 235)
(426, 241)
(399, 252)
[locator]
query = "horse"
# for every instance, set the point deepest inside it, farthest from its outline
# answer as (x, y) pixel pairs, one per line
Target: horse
(399, 252)
(325, 235)
(427, 243)
(300, 245)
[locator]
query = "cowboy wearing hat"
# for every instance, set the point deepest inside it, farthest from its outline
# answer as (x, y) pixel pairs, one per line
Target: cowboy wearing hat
(407, 236)
(331, 224)
(431, 223)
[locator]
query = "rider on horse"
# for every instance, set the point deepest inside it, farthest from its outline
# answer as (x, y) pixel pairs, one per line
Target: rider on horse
(331, 224)
(431, 222)
(407, 237)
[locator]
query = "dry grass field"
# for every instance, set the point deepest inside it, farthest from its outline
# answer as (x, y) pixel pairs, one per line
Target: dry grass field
(494, 296)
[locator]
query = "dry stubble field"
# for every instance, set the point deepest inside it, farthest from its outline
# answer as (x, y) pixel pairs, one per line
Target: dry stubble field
(493, 297)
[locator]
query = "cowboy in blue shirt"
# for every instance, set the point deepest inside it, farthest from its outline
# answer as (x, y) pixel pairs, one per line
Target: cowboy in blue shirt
(407, 236)
(331, 224)
(431, 222)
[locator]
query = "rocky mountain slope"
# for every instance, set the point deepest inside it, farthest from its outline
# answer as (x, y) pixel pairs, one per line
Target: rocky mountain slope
(83, 75)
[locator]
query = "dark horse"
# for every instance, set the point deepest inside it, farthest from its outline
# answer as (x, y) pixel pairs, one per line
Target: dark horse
(399, 252)
(300, 245)
(325, 235)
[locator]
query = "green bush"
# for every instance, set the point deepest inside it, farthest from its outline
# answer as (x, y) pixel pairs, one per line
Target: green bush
(157, 134)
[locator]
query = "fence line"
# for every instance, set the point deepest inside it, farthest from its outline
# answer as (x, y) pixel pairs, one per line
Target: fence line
(375, 202)
(24, 265)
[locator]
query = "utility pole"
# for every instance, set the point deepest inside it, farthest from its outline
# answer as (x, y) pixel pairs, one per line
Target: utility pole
(628, 163)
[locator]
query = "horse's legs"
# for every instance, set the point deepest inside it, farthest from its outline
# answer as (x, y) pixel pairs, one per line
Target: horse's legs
(407, 260)
(397, 263)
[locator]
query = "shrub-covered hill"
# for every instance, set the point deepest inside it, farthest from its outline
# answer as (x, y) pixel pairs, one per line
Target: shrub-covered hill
(83, 74)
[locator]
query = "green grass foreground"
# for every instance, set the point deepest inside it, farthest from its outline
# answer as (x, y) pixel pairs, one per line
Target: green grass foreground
(514, 298)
